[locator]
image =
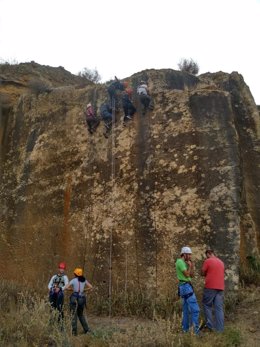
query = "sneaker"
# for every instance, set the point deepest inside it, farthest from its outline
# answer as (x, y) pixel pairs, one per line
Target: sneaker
(126, 118)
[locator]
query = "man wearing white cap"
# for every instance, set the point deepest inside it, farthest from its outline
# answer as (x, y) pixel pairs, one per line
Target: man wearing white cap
(190, 307)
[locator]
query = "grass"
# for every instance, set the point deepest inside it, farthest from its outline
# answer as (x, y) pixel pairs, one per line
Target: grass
(250, 271)
(136, 304)
(26, 320)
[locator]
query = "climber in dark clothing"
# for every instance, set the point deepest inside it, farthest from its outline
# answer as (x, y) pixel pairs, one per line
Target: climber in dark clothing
(128, 107)
(106, 115)
(113, 90)
(91, 119)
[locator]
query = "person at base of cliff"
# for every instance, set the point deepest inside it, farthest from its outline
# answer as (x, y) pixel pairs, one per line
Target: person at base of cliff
(106, 115)
(128, 107)
(213, 294)
(190, 307)
(144, 97)
(114, 90)
(56, 287)
(91, 119)
(78, 300)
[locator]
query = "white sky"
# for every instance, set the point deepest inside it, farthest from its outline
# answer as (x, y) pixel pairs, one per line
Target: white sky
(121, 37)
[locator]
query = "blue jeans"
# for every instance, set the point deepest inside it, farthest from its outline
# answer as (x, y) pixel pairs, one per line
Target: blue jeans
(213, 299)
(190, 314)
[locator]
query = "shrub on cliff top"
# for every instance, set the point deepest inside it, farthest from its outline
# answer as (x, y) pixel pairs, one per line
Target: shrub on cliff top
(189, 65)
(91, 75)
(38, 87)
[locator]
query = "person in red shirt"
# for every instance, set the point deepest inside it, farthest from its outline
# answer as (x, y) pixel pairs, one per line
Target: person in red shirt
(213, 294)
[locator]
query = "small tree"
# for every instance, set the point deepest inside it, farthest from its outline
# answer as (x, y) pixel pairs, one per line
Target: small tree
(91, 75)
(189, 65)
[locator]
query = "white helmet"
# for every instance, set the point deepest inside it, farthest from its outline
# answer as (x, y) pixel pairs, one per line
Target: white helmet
(186, 250)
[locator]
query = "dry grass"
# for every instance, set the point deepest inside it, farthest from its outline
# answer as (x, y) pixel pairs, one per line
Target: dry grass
(26, 321)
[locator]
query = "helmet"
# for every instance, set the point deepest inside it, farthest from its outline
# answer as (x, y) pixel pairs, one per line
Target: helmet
(89, 105)
(78, 271)
(62, 266)
(186, 250)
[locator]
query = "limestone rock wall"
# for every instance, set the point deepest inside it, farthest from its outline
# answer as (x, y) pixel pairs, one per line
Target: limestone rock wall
(187, 173)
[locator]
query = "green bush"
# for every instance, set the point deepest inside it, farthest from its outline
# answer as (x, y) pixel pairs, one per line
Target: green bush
(250, 271)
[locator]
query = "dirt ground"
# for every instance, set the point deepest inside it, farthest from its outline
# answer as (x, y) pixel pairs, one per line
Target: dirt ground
(243, 316)
(246, 317)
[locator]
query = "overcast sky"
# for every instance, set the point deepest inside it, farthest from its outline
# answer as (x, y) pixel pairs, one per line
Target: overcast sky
(119, 37)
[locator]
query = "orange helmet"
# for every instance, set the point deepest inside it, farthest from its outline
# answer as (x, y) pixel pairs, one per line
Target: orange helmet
(78, 271)
(62, 266)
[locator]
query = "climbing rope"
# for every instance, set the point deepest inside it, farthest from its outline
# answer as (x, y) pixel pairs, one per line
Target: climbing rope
(112, 201)
(89, 208)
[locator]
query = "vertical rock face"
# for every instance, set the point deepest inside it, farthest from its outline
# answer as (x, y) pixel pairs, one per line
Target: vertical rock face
(186, 173)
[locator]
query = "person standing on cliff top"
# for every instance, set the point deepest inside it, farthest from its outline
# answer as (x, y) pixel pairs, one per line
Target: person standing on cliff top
(190, 307)
(56, 287)
(213, 294)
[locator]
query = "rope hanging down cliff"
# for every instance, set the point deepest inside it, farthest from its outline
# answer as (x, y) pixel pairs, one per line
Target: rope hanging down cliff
(112, 202)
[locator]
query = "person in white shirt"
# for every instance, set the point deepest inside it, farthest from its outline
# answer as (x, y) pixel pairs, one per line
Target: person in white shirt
(56, 287)
(78, 300)
(144, 97)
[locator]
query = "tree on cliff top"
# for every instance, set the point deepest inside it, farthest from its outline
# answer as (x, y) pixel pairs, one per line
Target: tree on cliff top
(91, 75)
(189, 65)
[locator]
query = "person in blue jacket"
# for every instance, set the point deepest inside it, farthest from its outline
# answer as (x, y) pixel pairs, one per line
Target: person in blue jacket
(128, 107)
(107, 116)
(114, 90)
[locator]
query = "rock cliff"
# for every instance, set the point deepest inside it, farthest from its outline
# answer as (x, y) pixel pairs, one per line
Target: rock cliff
(186, 173)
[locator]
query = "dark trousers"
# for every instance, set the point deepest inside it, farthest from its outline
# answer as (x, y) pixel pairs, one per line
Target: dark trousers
(129, 110)
(77, 305)
(145, 101)
(92, 124)
(56, 301)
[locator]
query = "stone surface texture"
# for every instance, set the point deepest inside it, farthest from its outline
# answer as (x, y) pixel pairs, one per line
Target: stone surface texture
(186, 173)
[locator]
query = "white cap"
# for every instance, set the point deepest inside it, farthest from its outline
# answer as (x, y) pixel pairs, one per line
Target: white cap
(186, 250)
(88, 105)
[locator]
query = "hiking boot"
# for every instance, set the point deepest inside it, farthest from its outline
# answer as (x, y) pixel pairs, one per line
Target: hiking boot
(205, 328)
